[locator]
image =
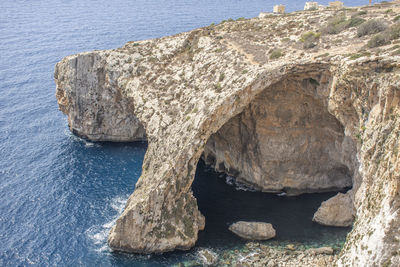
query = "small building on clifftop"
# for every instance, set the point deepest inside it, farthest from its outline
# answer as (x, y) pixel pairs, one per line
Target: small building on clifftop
(311, 6)
(336, 4)
(279, 9)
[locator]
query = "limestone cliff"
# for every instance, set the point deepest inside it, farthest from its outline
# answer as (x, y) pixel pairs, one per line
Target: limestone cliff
(91, 99)
(271, 100)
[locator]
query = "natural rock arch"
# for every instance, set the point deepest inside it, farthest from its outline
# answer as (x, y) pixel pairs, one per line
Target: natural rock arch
(175, 88)
(175, 219)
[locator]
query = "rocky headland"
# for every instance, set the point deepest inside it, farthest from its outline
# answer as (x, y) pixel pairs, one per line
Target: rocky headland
(302, 102)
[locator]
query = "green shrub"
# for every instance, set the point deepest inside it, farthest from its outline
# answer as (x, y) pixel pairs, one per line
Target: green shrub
(396, 18)
(276, 53)
(310, 39)
(379, 40)
(363, 12)
(340, 23)
(371, 27)
(360, 54)
(335, 25)
(385, 37)
(355, 56)
(355, 21)
(395, 31)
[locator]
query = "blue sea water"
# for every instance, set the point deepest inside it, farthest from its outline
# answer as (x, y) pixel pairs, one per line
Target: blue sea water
(59, 194)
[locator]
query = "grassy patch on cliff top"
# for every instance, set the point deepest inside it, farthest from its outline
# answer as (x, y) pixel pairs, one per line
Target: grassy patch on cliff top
(276, 53)
(310, 39)
(385, 37)
(339, 23)
(370, 27)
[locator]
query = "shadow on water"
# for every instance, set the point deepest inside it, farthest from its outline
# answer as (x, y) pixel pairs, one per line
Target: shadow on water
(222, 204)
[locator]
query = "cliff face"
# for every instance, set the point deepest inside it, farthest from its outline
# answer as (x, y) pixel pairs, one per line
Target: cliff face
(91, 99)
(305, 120)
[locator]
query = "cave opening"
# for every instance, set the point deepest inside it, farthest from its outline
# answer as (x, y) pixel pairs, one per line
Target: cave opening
(276, 162)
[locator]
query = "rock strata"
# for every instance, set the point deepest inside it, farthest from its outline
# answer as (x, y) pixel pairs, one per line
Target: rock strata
(179, 91)
(253, 230)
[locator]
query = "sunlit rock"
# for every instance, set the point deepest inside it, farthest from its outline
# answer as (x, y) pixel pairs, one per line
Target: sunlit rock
(253, 230)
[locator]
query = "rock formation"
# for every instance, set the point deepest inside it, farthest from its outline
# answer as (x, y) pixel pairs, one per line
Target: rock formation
(336, 211)
(95, 108)
(182, 90)
(253, 230)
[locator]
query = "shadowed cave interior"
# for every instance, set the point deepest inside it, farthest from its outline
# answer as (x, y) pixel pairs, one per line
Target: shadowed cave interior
(284, 141)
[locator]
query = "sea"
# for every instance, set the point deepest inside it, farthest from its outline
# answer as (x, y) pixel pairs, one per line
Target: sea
(59, 194)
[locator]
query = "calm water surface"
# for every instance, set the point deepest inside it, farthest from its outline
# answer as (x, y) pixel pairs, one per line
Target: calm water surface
(59, 194)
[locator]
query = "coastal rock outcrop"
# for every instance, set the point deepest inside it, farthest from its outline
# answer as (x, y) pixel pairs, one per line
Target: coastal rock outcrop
(91, 99)
(336, 211)
(253, 230)
(180, 91)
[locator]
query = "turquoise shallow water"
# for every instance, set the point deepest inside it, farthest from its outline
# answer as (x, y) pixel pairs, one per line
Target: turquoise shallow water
(59, 194)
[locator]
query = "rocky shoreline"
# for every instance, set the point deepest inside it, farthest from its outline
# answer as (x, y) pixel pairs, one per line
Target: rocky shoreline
(263, 255)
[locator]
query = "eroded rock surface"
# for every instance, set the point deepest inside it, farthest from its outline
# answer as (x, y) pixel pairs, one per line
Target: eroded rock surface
(182, 89)
(253, 230)
(321, 250)
(208, 257)
(285, 140)
(336, 211)
(93, 102)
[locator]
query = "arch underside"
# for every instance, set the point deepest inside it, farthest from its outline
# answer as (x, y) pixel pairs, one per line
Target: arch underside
(285, 140)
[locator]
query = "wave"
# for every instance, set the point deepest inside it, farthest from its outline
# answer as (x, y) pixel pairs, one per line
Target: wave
(98, 233)
(230, 180)
(87, 144)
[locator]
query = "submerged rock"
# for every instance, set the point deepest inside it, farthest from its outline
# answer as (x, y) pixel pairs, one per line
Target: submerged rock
(290, 247)
(336, 211)
(208, 257)
(253, 230)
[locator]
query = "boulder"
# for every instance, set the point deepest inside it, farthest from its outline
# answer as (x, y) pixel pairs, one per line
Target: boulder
(208, 257)
(337, 211)
(321, 250)
(253, 230)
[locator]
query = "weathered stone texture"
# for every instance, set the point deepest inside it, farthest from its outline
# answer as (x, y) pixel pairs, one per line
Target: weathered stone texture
(336, 211)
(253, 230)
(91, 98)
